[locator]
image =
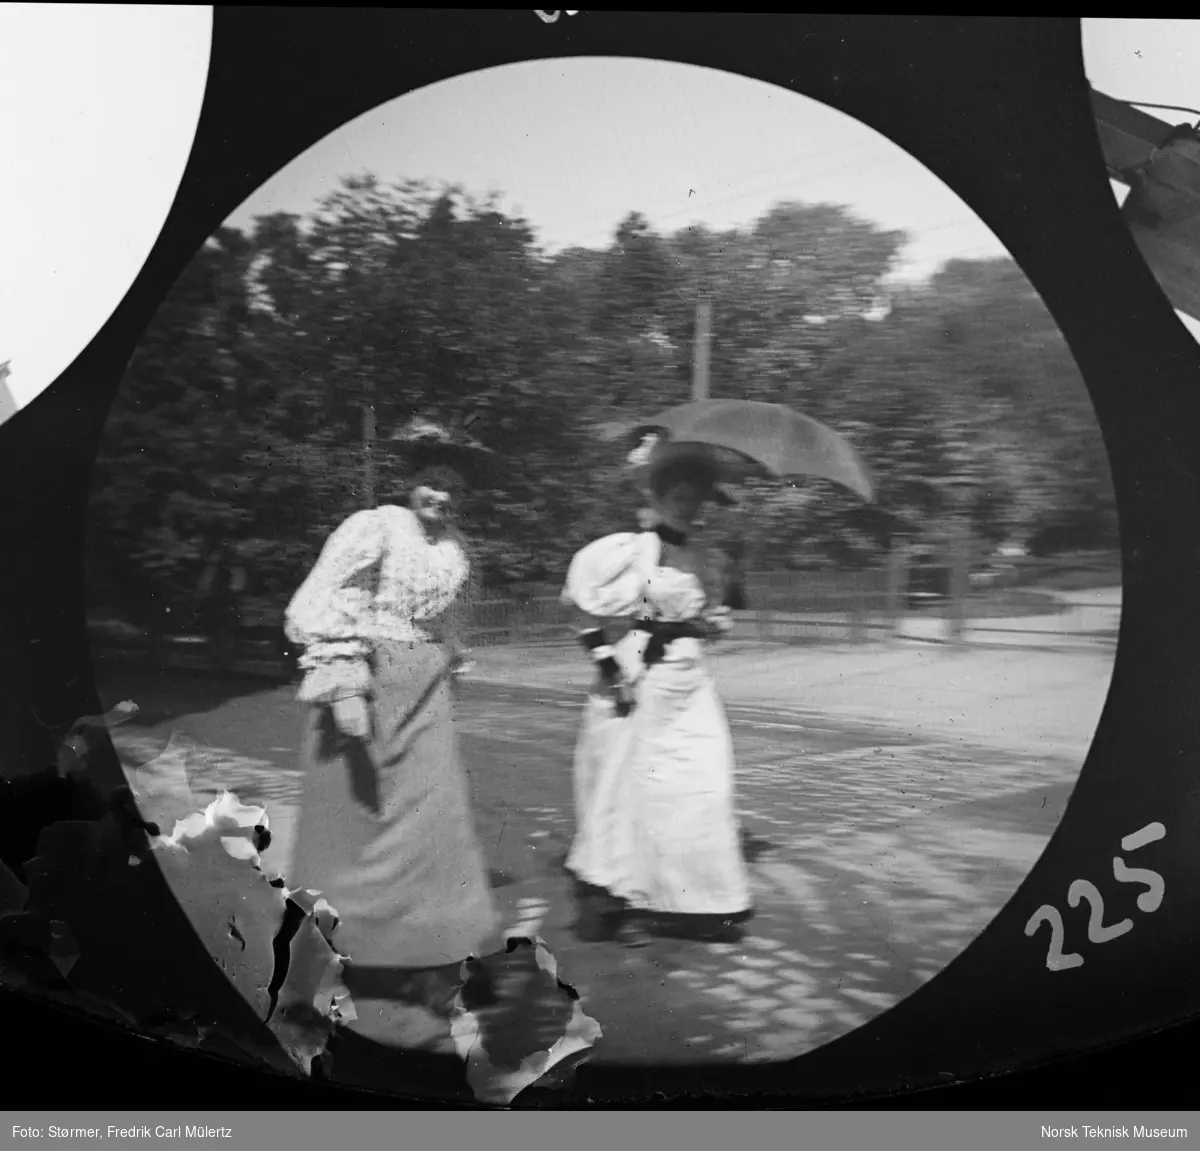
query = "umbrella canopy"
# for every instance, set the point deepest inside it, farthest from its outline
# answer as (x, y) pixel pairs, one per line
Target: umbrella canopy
(761, 437)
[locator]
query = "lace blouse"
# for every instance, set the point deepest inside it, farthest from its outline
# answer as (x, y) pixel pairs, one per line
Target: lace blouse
(379, 578)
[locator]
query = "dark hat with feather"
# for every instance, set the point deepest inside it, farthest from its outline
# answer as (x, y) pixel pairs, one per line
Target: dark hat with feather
(656, 461)
(429, 443)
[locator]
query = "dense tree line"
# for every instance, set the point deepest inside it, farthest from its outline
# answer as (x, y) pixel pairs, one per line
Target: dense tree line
(236, 441)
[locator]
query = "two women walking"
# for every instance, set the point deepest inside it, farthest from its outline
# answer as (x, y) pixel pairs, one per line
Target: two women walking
(386, 833)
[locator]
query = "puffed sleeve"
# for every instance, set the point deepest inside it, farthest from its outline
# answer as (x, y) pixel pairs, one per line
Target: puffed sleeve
(329, 612)
(607, 579)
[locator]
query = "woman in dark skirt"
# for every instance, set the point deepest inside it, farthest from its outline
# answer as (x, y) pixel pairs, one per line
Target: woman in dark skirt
(386, 833)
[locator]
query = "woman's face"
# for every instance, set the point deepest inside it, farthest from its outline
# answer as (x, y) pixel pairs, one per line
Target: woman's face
(679, 503)
(433, 495)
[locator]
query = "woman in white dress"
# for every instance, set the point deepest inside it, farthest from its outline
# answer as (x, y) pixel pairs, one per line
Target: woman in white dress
(386, 833)
(657, 844)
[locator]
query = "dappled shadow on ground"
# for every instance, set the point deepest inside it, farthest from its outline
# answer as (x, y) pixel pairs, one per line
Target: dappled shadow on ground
(872, 869)
(875, 862)
(832, 945)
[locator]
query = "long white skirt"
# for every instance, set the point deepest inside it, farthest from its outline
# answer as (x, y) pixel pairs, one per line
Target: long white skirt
(655, 822)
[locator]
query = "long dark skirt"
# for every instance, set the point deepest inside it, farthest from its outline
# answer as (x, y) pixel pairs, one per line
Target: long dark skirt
(387, 836)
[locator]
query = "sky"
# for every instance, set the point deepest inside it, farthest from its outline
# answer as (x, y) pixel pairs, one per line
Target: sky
(574, 144)
(110, 97)
(1153, 60)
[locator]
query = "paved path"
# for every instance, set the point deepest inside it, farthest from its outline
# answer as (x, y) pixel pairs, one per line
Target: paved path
(894, 799)
(1019, 696)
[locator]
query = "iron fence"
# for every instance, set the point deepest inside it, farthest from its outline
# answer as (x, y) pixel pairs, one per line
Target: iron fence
(781, 606)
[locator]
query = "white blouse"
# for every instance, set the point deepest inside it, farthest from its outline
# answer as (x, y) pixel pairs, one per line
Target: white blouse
(378, 579)
(622, 577)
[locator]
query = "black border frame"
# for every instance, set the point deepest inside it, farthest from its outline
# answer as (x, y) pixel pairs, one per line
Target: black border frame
(998, 108)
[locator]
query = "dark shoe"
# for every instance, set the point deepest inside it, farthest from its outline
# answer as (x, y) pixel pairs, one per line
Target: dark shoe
(599, 915)
(596, 927)
(479, 991)
(727, 932)
(433, 988)
(632, 932)
(705, 928)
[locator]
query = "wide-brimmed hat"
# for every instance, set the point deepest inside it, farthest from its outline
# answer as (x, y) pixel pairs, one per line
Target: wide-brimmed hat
(429, 443)
(654, 454)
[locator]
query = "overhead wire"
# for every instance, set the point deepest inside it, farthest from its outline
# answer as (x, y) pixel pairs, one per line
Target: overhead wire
(798, 168)
(797, 187)
(601, 231)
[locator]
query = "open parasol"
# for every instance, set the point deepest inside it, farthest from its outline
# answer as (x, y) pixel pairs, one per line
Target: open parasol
(755, 437)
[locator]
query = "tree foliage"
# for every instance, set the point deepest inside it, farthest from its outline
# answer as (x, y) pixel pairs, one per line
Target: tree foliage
(236, 442)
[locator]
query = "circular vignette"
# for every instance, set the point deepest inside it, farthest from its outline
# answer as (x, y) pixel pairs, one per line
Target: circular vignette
(910, 846)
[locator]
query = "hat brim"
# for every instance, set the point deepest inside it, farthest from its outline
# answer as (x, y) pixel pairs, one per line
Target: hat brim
(666, 454)
(475, 465)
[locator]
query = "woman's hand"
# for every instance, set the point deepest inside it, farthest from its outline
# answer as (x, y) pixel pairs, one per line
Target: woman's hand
(353, 716)
(718, 620)
(461, 662)
(618, 692)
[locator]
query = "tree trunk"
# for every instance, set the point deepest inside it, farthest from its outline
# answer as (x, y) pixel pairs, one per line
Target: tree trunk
(958, 561)
(897, 585)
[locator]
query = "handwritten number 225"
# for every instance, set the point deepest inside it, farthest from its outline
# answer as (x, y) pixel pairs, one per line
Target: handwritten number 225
(1082, 891)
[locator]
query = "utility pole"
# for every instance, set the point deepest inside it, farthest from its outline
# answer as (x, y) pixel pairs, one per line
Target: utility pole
(700, 353)
(959, 545)
(368, 437)
(959, 556)
(735, 548)
(897, 580)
